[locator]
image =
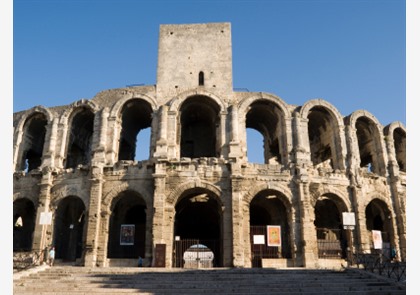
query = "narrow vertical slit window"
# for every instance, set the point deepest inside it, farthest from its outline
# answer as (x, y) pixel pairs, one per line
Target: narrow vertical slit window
(201, 79)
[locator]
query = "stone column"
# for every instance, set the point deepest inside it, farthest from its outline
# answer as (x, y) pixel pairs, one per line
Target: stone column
(162, 221)
(398, 199)
(360, 242)
(234, 145)
(62, 130)
(43, 233)
(49, 157)
(307, 244)
(161, 143)
(240, 248)
(306, 252)
(222, 135)
(94, 216)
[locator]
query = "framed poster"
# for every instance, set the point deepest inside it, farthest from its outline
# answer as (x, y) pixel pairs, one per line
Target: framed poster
(273, 236)
(127, 234)
(377, 239)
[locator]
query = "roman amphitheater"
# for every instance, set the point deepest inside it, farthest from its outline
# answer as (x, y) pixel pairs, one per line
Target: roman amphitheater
(329, 182)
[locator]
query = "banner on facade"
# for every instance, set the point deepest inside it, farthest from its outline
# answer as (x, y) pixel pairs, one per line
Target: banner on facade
(377, 239)
(127, 234)
(273, 236)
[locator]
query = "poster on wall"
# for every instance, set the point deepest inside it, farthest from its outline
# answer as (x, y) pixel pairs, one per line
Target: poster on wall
(259, 239)
(377, 239)
(127, 234)
(273, 236)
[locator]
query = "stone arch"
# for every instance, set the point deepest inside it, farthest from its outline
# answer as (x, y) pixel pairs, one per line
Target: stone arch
(268, 206)
(116, 190)
(135, 116)
(328, 212)
(75, 107)
(396, 134)
(340, 196)
(128, 225)
(24, 220)
(38, 109)
(59, 192)
(198, 218)
(325, 125)
(283, 189)
(22, 147)
(267, 115)
(176, 193)
(69, 227)
(370, 143)
(176, 102)
(379, 216)
(196, 121)
(117, 108)
(79, 120)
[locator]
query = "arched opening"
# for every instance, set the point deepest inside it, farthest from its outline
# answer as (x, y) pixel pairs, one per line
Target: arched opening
(143, 140)
(370, 151)
(400, 146)
(322, 136)
(33, 142)
(80, 139)
(200, 125)
(68, 230)
(201, 79)
(266, 118)
(127, 226)
(255, 146)
(198, 221)
(136, 123)
(268, 210)
(331, 238)
(23, 224)
(378, 218)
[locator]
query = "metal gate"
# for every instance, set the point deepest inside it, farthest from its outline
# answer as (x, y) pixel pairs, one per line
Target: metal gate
(196, 253)
(260, 251)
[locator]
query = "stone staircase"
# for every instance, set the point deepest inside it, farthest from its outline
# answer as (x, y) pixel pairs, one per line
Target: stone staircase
(55, 280)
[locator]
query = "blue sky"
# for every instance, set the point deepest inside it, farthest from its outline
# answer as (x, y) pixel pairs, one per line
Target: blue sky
(348, 52)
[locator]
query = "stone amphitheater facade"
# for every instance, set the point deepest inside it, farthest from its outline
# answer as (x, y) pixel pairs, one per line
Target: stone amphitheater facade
(78, 185)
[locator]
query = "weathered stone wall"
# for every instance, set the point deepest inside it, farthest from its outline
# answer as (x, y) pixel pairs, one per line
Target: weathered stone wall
(312, 154)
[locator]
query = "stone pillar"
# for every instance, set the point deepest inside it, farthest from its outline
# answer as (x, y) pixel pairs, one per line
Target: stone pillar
(49, 157)
(222, 136)
(240, 248)
(307, 245)
(234, 145)
(161, 143)
(43, 233)
(172, 134)
(114, 124)
(62, 130)
(94, 216)
(360, 241)
(162, 220)
(305, 232)
(398, 199)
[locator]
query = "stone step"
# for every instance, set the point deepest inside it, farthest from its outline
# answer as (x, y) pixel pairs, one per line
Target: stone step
(109, 281)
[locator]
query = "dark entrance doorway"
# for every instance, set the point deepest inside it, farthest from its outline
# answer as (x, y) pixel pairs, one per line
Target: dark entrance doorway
(198, 225)
(69, 225)
(23, 224)
(128, 213)
(267, 208)
(331, 238)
